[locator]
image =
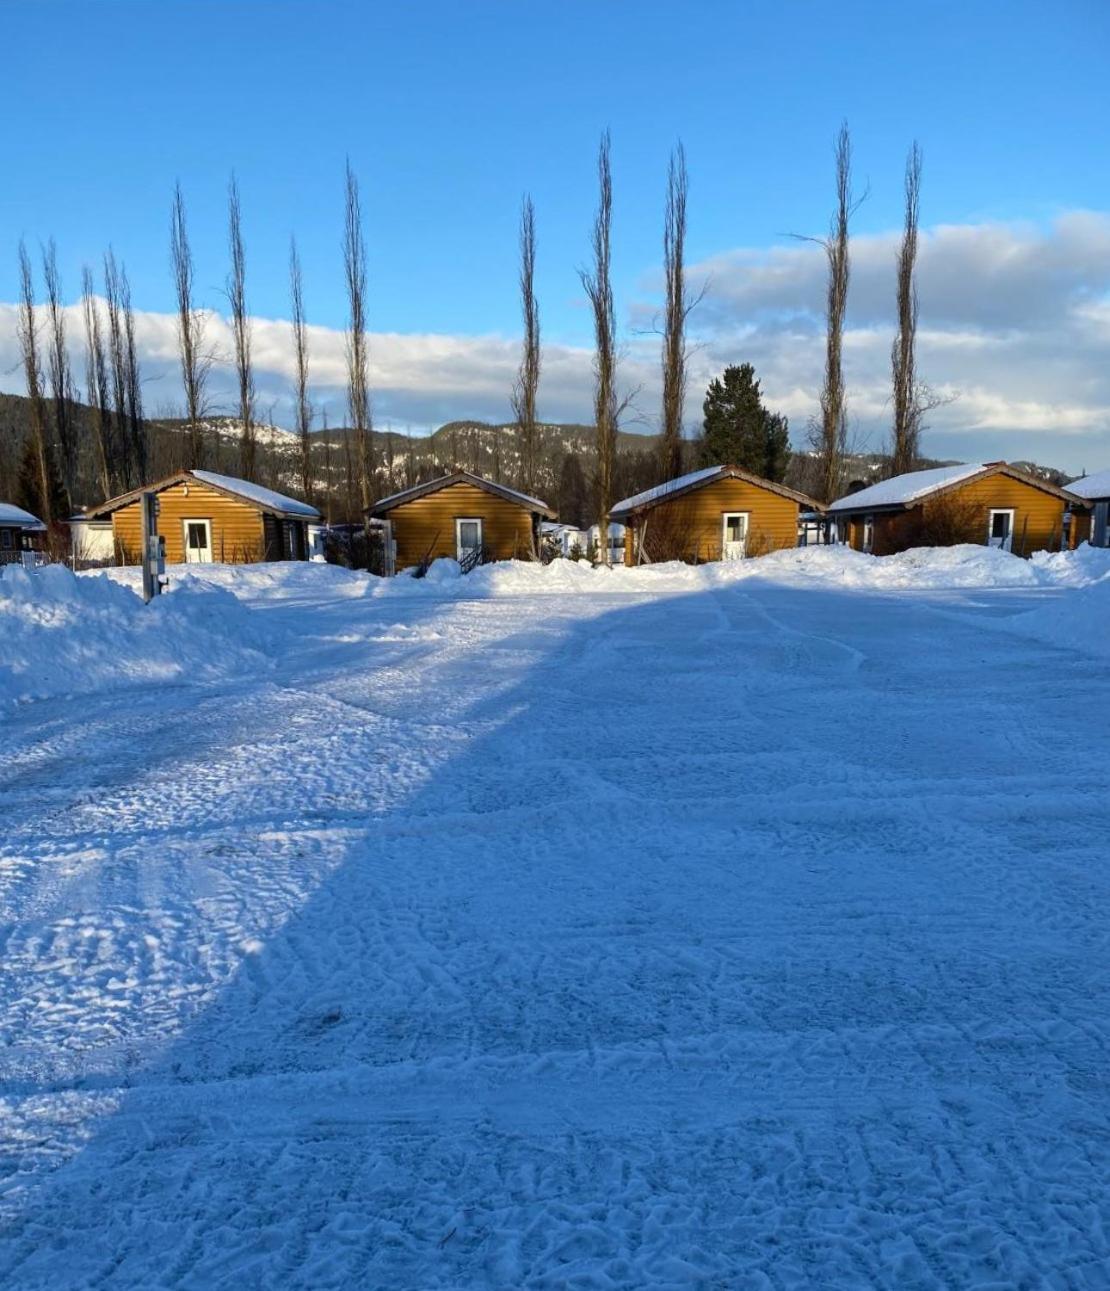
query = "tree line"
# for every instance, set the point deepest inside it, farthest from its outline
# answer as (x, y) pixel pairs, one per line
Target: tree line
(358, 465)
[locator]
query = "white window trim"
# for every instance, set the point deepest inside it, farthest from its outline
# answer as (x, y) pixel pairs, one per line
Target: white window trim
(726, 516)
(459, 522)
(185, 523)
(1001, 511)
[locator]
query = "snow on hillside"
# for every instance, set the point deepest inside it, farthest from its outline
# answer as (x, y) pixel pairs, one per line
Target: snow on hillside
(551, 927)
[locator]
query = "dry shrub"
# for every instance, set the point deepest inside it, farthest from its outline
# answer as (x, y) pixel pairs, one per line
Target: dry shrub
(671, 533)
(945, 521)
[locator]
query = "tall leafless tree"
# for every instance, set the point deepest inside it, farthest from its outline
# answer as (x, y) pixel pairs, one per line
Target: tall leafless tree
(300, 351)
(527, 382)
(195, 362)
(830, 439)
(676, 311)
(597, 283)
(117, 365)
(61, 379)
(358, 391)
(241, 331)
(133, 382)
(27, 329)
(96, 384)
(906, 400)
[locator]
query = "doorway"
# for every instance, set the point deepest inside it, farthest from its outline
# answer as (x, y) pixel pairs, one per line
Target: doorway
(734, 535)
(1000, 532)
(198, 542)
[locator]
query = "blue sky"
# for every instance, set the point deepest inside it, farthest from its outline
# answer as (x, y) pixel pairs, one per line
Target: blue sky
(450, 111)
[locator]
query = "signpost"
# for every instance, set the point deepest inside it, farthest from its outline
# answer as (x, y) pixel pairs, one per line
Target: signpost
(153, 558)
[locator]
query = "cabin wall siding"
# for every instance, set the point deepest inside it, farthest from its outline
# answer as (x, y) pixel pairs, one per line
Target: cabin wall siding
(697, 515)
(237, 527)
(426, 525)
(1038, 516)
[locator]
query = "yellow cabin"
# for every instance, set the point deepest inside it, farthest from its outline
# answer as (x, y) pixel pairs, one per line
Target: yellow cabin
(463, 516)
(718, 513)
(990, 503)
(204, 518)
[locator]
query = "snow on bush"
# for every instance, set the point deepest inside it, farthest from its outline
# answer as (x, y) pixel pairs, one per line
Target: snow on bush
(69, 635)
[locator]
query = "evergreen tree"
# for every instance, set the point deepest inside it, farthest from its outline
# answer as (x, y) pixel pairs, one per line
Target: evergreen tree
(739, 430)
(573, 495)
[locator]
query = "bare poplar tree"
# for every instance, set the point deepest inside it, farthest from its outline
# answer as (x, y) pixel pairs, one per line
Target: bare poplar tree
(27, 329)
(358, 393)
(61, 380)
(241, 331)
(123, 466)
(831, 434)
(133, 382)
(190, 332)
(527, 382)
(598, 286)
(907, 404)
(300, 350)
(676, 312)
(96, 384)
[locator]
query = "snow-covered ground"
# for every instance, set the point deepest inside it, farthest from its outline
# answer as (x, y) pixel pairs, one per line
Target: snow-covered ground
(731, 927)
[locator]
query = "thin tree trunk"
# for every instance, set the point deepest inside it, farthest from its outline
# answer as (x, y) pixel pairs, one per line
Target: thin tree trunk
(61, 380)
(528, 378)
(300, 349)
(241, 332)
(599, 290)
(122, 465)
(190, 333)
(27, 326)
(96, 383)
(358, 393)
(907, 413)
(674, 323)
(834, 414)
(133, 383)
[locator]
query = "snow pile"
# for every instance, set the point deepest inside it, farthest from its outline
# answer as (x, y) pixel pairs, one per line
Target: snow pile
(271, 581)
(1077, 568)
(1078, 620)
(67, 635)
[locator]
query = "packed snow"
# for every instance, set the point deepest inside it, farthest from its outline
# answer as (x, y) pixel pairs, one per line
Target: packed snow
(731, 926)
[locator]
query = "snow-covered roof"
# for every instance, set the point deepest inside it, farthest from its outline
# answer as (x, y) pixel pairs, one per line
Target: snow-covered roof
(462, 477)
(695, 478)
(669, 486)
(268, 499)
(14, 516)
(904, 489)
(1091, 486)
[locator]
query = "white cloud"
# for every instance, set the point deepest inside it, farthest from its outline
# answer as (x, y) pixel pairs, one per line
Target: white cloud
(1015, 322)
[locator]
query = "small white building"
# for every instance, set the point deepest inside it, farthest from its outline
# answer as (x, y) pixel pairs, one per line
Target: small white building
(90, 541)
(565, 537)
(616, 542)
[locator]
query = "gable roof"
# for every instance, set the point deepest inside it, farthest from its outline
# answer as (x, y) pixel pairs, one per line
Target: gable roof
(13, 517)
(462, 477)
(1092, 487)
(697, 480)
(242, 490)
(904, 491)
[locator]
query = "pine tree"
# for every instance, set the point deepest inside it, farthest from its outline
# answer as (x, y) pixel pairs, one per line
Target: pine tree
(572, 493)
(739, 430)
(29, 486)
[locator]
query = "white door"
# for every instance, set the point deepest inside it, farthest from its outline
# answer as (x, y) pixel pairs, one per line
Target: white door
(468, 540)
(734, 535)
(198, 542)
(1001, 530)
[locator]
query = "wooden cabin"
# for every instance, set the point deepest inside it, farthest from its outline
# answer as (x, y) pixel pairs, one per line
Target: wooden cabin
(1091, 524)
(718, 513)
(463, 516)
(22, 535)
(990, 503)
(205, 518)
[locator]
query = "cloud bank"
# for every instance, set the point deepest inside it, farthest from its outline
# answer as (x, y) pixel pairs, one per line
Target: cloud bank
(1014, 330)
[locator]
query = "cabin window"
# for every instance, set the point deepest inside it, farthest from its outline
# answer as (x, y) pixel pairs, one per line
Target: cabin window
(6, 539)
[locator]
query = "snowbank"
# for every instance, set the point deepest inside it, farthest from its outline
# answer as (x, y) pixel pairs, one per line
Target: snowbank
(65, 635)
(277, 580)
(1078, 620)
